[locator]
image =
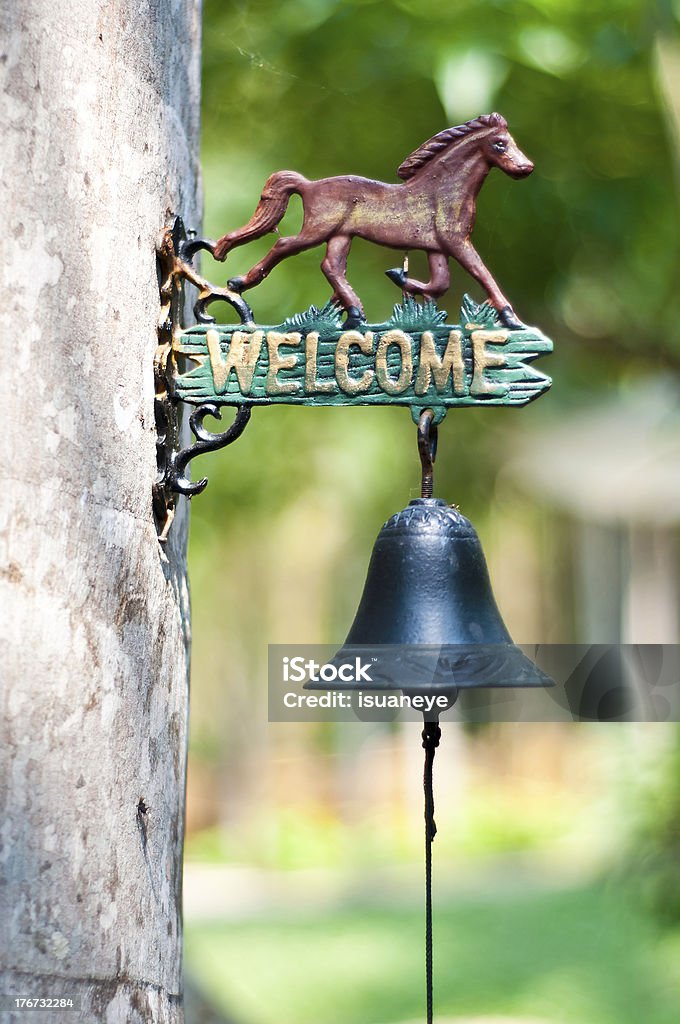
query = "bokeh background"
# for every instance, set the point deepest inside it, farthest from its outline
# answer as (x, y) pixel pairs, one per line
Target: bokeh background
(557, 864)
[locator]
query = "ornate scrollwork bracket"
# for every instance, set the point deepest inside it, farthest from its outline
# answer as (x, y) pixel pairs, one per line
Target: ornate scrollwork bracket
(205, 442)
(175, 253)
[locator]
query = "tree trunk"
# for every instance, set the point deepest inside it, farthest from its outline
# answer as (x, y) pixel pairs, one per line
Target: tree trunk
(99, 129)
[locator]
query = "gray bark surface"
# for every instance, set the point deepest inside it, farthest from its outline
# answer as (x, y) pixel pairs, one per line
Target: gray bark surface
(99, 123)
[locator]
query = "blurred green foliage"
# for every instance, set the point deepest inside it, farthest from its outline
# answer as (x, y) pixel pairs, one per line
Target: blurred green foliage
(652, 857)
(587, 248)
(299, 838)
(581, 955)
(590, 243)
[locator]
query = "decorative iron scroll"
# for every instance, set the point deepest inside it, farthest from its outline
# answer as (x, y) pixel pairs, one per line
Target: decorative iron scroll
(205, 442)
(175, 254)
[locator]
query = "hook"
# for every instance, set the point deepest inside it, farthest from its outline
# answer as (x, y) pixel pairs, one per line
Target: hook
(427, 449)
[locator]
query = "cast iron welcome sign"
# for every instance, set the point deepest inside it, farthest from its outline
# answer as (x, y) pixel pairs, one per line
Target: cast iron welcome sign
(413, 359)
(332, 355)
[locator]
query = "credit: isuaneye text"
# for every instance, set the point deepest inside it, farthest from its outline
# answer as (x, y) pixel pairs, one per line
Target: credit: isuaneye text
(359, 699)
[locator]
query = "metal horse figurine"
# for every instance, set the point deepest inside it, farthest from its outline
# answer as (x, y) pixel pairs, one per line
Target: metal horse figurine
(433, 210)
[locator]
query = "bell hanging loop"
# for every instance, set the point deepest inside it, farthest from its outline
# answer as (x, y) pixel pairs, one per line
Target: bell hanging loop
(427, 449)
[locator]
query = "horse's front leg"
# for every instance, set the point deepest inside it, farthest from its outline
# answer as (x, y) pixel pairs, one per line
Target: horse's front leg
(440, 277)
(470, 260)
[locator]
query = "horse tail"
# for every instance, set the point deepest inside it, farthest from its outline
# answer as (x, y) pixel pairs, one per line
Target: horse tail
(272, 205)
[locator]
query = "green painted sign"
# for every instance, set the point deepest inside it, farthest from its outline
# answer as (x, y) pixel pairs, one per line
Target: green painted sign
(415, 359)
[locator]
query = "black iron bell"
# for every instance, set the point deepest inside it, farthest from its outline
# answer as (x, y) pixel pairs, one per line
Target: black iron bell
(428, 582)
(428, 615)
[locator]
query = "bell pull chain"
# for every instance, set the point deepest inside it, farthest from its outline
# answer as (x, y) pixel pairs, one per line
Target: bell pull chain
(427, 449)
(431, 736)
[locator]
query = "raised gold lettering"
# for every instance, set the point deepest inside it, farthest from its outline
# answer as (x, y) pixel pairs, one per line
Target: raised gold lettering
(278, 362)
(450, 365)
(312, 385)
(403, 343)
(364, 342)
(244, 351)
(482, 358)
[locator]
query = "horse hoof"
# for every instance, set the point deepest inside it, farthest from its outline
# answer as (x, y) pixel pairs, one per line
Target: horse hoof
(236, 284)
(397, 275)
(507, 318)
(355, 318)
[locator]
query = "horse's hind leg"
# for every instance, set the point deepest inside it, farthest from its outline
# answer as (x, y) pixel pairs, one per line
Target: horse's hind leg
(333, 266)
(439, 277)
(279, 251)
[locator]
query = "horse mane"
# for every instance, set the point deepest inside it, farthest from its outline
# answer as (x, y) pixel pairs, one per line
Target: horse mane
(441, 140)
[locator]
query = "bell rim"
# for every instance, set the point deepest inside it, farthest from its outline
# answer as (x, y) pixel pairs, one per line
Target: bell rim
(525, 674)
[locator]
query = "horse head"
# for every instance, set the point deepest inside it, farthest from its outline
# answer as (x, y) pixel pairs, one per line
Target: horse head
(502, 151)
(487, 134)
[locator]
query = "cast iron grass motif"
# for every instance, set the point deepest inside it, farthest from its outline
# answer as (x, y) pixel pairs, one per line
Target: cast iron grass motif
(433, 210)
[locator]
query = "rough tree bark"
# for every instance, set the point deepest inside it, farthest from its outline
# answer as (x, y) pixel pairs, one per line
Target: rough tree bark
(99, 126)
